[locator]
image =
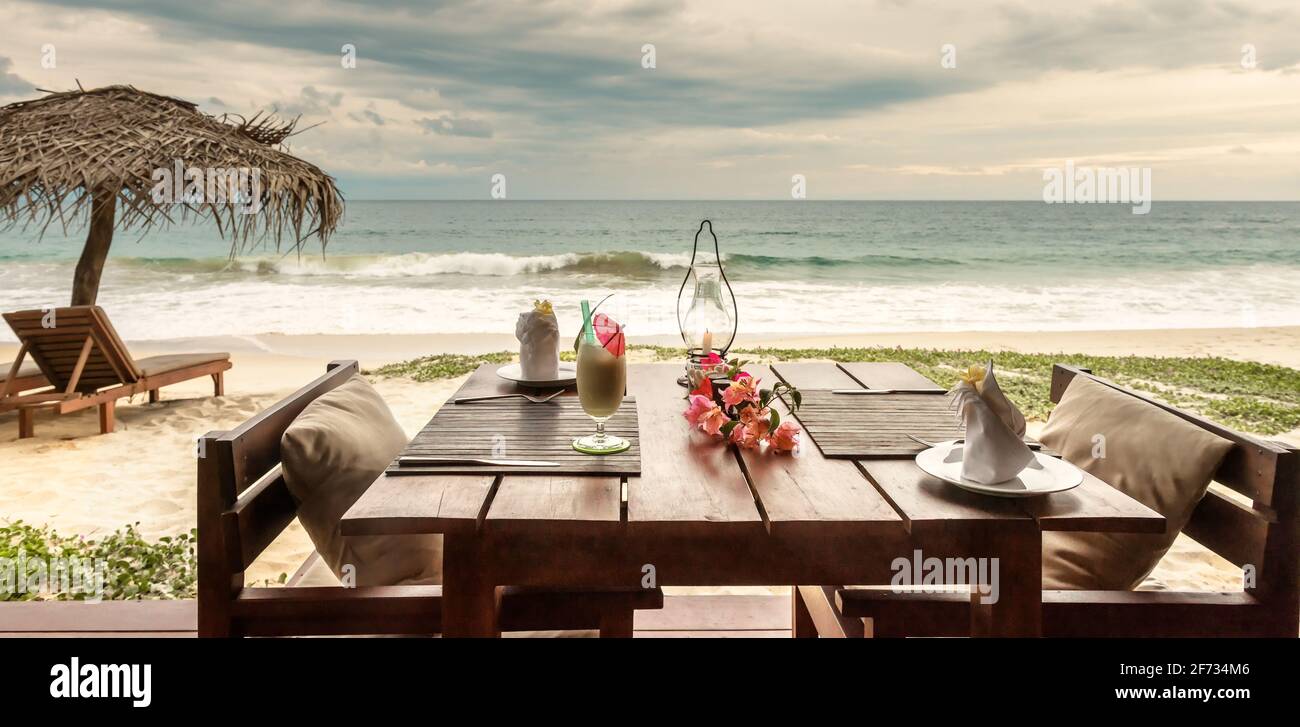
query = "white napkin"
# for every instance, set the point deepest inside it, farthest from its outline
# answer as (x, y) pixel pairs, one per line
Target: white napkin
(994, 450)
(539, 342)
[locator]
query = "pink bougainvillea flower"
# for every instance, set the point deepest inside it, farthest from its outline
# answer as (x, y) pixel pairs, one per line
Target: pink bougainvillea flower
(712, 420)
(705, 388)
(696, 407)
(752, 429)
(785, 438)
(713, 359)
(741, 375)
(745, 389)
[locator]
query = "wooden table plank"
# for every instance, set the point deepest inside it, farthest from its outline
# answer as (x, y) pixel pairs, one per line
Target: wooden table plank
(689, 483)
(412, 504)
(556, 504)
(814, 376)
(1094, 507)
(810, 494)
(932, 506)
(888, 375)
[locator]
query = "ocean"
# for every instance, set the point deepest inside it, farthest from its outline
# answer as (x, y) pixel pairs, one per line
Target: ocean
(797, 267)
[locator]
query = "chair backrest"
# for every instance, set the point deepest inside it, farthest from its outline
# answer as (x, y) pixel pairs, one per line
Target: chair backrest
(1262, 536)
(76, 348)
(243, 501)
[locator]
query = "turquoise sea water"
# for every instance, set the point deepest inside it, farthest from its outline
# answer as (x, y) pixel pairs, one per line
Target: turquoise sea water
(797, 266)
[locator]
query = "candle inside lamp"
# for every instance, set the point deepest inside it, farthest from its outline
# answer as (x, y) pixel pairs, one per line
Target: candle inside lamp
(707, 346)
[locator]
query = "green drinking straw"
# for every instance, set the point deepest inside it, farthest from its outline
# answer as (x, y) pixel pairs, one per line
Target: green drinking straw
(586, 323)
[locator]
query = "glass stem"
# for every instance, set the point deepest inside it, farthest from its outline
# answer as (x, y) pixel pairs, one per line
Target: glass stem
(600, 429)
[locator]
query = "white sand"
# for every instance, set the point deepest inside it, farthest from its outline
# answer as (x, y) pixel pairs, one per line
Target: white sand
(77, 481)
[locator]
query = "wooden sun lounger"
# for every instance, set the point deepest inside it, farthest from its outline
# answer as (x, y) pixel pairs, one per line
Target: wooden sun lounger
(86, 364)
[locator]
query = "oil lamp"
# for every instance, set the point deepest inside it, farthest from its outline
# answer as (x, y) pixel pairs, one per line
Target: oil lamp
(706, 305)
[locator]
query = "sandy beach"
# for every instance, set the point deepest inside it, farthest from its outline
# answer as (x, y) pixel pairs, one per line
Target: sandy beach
(79, 482)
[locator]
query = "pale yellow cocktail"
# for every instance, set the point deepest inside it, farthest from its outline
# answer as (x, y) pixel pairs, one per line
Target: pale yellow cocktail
(602, 379)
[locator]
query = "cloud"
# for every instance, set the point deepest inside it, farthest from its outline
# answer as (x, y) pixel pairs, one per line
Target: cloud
(576, 65)
(745, 92)
(448, 125)
(11, 84)
(311, 102)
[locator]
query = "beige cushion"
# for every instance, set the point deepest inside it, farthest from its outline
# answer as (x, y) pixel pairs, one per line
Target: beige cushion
(331, 454)
(154, 365)
(27, 369)
(315, 572)
(1153, 456)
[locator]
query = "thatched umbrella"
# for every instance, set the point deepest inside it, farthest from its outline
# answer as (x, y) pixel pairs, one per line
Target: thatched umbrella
(106, 149)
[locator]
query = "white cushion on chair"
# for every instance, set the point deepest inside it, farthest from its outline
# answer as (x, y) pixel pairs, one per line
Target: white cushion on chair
(336, 448)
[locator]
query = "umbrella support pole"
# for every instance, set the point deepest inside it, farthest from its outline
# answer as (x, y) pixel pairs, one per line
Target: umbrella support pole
(85, 282)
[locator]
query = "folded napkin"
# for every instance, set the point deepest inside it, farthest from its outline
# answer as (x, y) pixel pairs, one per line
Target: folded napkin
(995, 450)
(539, 342)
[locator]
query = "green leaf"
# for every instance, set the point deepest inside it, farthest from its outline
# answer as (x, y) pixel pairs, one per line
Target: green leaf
(726, 428)
(775, 419)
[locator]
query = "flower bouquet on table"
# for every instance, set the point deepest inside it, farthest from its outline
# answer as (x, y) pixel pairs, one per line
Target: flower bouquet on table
(740, 412)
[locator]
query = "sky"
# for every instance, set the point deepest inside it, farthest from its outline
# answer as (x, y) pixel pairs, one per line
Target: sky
(725, 99)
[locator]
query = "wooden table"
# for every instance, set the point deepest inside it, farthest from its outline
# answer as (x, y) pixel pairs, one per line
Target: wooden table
(704, 514)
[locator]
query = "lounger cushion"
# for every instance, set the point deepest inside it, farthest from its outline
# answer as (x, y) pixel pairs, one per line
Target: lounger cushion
(155, 365)
(331, 454)
(27, 369)
(1155, 457)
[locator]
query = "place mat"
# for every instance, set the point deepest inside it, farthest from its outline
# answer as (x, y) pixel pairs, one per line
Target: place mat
(520, 429)
(876, 426)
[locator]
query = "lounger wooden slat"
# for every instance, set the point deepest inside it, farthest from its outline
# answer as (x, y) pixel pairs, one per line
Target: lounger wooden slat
(85, 364)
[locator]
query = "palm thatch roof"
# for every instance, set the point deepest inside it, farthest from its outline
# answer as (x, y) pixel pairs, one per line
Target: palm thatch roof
(59, 151)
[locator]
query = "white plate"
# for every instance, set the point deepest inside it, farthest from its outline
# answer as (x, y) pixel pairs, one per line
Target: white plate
(1043, 476)
(568, 375)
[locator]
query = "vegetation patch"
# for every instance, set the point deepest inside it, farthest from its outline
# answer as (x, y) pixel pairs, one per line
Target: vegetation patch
(441, 366)
(132, 567)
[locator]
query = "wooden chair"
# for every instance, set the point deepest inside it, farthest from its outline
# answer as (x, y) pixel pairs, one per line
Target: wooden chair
(86, 364)
(1263, 537)
(244, 504)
